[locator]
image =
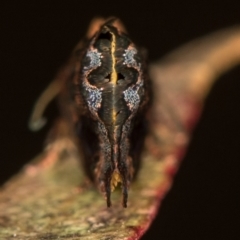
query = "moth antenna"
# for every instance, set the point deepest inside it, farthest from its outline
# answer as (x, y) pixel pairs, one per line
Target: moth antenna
(37, 121)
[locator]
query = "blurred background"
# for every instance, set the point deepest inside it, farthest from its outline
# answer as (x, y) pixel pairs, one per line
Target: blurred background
(36, 39)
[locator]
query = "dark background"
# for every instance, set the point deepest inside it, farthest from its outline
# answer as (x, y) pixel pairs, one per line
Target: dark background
(36, 39)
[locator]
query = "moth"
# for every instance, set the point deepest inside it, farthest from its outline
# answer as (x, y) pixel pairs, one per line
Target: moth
(104, 95)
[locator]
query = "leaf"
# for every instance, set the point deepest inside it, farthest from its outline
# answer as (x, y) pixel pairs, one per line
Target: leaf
(50, 198)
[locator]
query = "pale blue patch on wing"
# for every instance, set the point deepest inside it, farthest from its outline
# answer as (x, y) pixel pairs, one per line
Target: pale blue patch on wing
(129, 57)
(132, 98)
(94, 97)
(95, 59)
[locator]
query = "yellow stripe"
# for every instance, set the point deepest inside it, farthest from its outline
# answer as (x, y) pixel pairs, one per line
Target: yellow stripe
(113, 73)
(113, 49)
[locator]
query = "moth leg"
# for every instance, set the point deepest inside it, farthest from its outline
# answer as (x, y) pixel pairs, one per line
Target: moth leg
(104, 171)
(126, 170)
(123, 171)
(107, 183)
